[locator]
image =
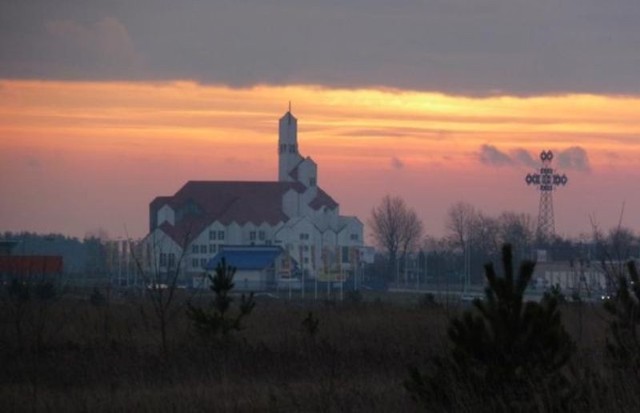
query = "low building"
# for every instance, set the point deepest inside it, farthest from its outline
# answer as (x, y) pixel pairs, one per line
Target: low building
(258, 268)
(582, 278)
(30, 267)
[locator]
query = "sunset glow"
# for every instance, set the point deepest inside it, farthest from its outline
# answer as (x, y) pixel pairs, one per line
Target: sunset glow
(83, 145)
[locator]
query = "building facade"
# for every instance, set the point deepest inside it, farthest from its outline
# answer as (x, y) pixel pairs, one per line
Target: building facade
(188, 228)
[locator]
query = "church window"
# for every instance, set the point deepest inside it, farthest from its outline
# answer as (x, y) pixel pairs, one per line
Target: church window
(345, 255)
(163, 260)
(148, 255)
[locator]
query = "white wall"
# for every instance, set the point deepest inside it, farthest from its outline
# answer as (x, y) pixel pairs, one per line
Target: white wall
(156, 244)
(167, 214)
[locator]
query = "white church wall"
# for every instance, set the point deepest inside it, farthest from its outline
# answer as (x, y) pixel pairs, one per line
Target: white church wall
(290, 203)
(351, 231)
(166, 213)
(288, 155)
(234, 234)
(161, 255)
(308, 173)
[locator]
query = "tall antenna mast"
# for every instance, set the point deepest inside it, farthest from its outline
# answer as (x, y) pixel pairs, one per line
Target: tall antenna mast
(546, 181)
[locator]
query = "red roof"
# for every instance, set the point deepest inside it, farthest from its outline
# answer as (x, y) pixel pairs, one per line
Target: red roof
(159, 201)
(323, 199)
(199, 203)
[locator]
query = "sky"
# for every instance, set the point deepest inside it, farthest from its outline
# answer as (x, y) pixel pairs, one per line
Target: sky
(105, 105)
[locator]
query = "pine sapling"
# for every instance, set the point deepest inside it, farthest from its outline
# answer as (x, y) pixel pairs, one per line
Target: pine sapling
(624, 347)
(503, 348)
(216, 320)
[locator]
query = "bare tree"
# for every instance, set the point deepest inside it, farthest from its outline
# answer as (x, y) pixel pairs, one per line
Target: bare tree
(396, 228)
(613, 251)
(478, 236)
(517, 229)
(485, 236)
(160, 271)
(460, 220)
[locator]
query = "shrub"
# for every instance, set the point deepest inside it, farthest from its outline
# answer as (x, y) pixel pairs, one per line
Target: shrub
(427, 300)
(507, 350)
(310, 324)
(624, 347)
(215, 320)
(29, 303)
(353, 296)
(556, 292)
(97, 298)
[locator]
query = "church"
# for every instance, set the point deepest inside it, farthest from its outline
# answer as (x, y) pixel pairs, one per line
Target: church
(187, 229)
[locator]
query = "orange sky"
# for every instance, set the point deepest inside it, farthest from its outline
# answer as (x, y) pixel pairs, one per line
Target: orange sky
(75, 157)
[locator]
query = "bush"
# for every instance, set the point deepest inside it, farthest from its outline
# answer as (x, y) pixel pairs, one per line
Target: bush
(310, 324)
(510, 351)
(427, 300)
(353, 296)
(624, 347)
(215, 320)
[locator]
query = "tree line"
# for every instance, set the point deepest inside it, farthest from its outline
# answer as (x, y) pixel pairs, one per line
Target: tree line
(86, 255)
(473, 238)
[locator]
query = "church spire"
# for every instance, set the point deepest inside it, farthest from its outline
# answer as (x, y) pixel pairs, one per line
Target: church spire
(288, 153)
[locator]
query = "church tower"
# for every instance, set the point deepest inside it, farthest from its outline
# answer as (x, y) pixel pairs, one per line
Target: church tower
(288, 155)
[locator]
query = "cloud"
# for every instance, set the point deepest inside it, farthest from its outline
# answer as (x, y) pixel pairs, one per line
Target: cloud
(376, 133)
(470, 47)
(523, 157)
(106, 37)
(103, 46)
(490, 155)
(574, 158)
(34, 163)
(61, 47)
(396, 163)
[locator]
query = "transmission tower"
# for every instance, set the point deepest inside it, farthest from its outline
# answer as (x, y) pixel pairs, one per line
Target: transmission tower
(546, 181)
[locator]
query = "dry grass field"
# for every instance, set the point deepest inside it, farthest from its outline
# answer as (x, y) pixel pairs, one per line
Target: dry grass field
(74, 355)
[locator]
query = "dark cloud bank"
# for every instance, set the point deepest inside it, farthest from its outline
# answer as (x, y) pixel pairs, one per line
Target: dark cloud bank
(473, 47)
